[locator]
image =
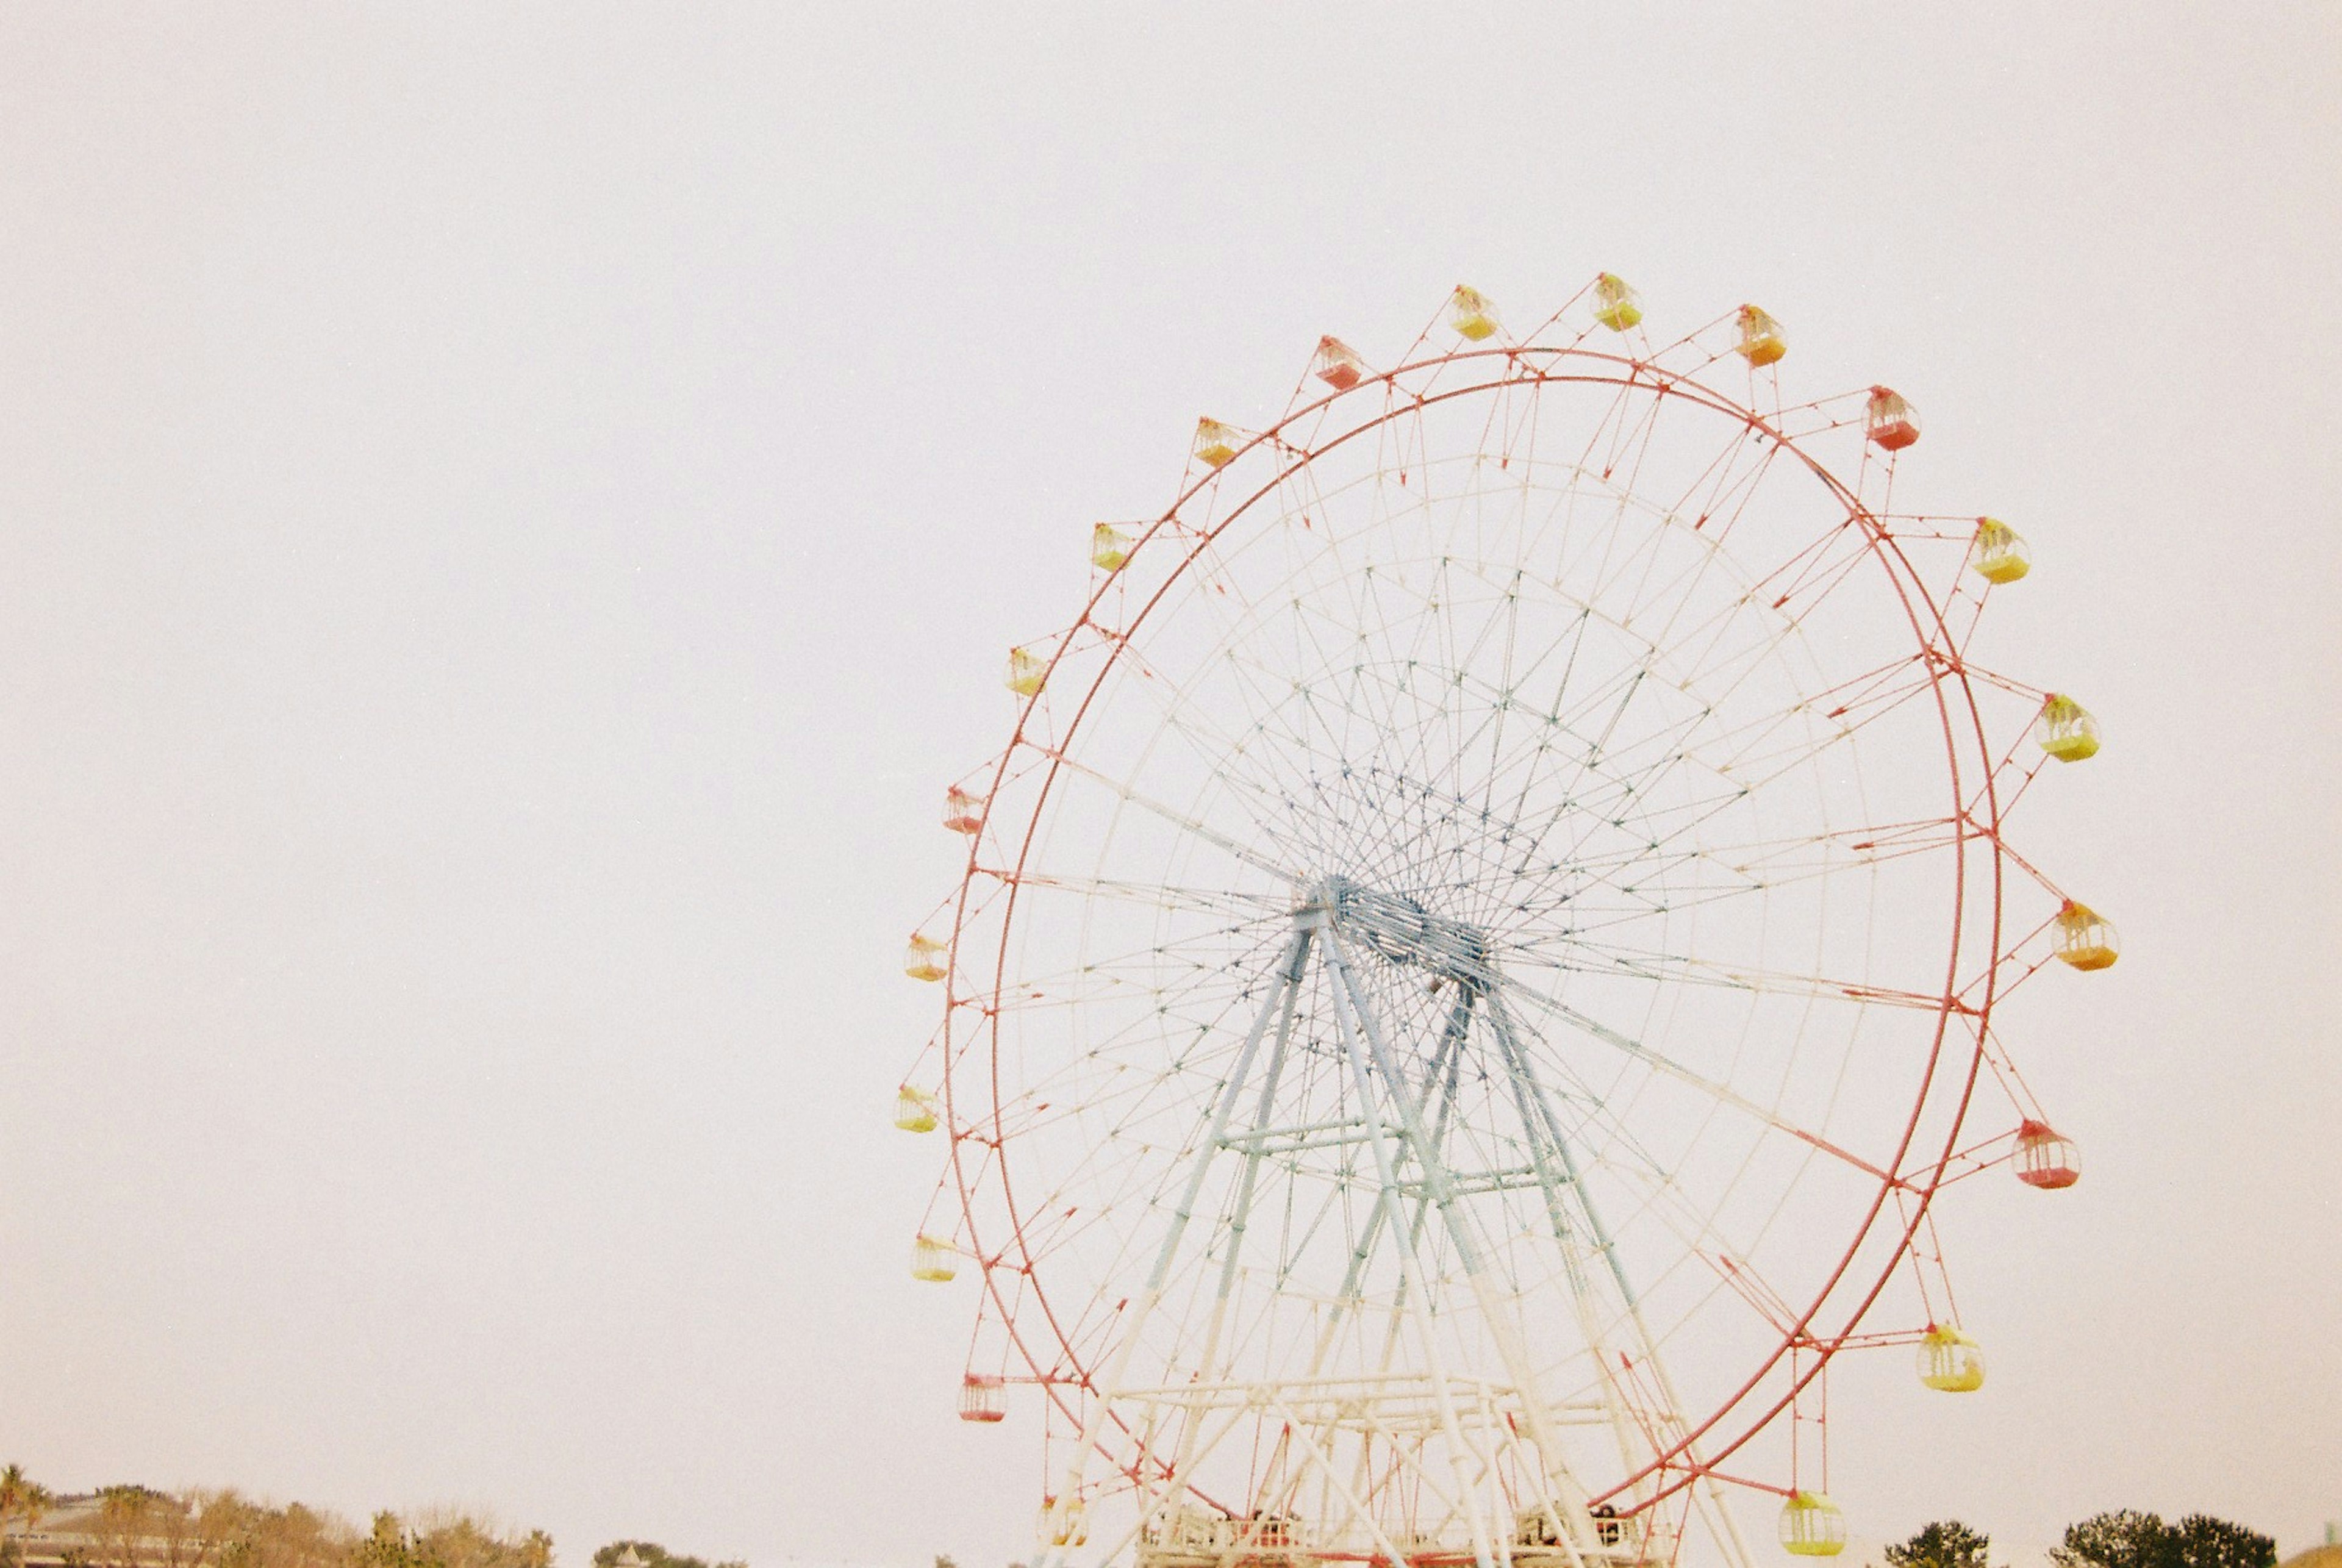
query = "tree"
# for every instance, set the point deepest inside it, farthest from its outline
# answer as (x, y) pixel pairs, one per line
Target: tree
(177, 1534)
(2125, 1538)
(247, 1535)
(2129, 1539)
(1946, 1544)
(127, 1517)
(2204, 1542)
(651, 1554)
(20, 1497)
(448, 1540)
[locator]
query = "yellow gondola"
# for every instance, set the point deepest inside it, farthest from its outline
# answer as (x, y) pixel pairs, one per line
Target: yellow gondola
(1615, 304)
(1065, 1526)
(925, 960)
(1027, 672)
(2085, 938)
(1216, 444)
(1761, 343)
(2066, 729)
(1470, 314)
(931, 1260)
(914, 1110)
(1109, 547)
(1812, 1525)
(1999, 554)
(1950, 1361)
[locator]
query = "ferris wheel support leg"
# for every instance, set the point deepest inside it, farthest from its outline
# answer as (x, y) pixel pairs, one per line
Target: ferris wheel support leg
(1286, 983)
(1545, 1147)
(1350, 1499)
(1449, 1057)
(1350, 1023)
(1289, 986)
(1439, 1185)
(1443, 1070)
(1705, 1492)
(1288, 978)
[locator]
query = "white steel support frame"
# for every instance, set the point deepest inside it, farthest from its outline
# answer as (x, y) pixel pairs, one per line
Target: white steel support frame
(1480, 1424)
(1538, 1111)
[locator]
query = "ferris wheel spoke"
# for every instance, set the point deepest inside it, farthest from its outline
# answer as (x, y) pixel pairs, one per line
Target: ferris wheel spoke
(1663, 1201)
(1656, 1178)
(1229, 756)
(1703, 1241)
(1143, 968)
(1721, 1093)
(1732, 492)
(1247, 907)
(1845, 710)
(1724, 790)
(1868, 694)
(1728, 871)
(1130, 794)
(1577, 954)
(1866, 845)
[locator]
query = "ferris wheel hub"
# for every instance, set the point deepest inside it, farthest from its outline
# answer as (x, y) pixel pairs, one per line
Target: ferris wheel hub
(1399, 929)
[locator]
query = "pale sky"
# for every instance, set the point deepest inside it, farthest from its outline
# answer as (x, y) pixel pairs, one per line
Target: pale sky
(512, 515)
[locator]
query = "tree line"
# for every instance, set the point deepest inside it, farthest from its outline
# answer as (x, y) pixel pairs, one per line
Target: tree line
(653, 1555)
(2125, 1538)
(140, 1527)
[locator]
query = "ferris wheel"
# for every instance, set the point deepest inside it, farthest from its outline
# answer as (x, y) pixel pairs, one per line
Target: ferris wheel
(1479, 955)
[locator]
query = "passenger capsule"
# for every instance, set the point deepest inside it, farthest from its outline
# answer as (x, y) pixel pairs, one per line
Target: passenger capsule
(2045, 1158)
(914, 1110)
(1615, 304)
(1216, 444)
(1337, 365)
(1761, 343)
(1950, 1361)
(1027, 672)
(1109, 547)
(2085, 938)
(925, 960)
(1890, 423)
(2066, 729)
(980, 1398)
(1470, 313)
(963, 813)
(1812, 1525)
(1999, 553)
(931, 1260)
(1063, 1525)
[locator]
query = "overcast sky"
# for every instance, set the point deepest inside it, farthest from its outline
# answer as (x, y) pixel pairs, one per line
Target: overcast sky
(513, 515)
